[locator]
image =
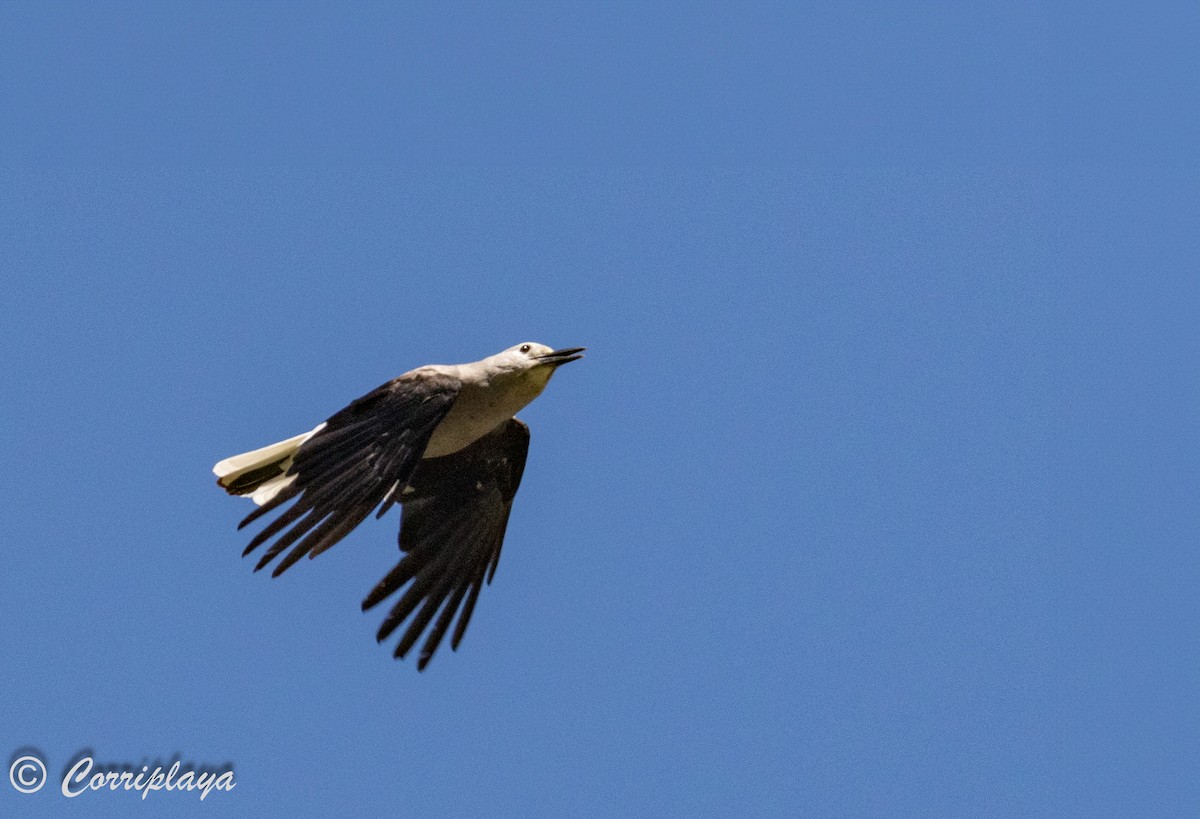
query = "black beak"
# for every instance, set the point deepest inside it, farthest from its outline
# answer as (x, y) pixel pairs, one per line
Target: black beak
(562, 356)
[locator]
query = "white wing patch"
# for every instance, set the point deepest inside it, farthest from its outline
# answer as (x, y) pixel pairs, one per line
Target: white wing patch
(229, 469)
(272, 488)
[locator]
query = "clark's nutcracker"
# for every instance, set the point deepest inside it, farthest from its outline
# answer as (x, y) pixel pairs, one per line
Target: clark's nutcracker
(442, 442)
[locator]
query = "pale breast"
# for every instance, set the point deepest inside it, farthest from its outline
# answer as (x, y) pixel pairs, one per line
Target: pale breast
(479, 409)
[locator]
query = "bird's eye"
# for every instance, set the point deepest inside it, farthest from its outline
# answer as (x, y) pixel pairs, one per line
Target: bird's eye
(525, 348)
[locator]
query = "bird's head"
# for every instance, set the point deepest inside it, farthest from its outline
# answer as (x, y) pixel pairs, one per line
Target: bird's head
(533, 361)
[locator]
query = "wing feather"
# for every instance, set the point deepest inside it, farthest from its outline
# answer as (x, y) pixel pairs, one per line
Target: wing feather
(350, 465)
(451, 531)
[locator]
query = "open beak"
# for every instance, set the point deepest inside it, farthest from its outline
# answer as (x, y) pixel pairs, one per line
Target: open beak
(562, 356)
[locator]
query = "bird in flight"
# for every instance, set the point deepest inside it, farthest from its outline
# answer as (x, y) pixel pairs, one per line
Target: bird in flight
(442, 442)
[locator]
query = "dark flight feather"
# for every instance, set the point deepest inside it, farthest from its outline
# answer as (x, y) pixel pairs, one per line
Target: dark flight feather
(455, 511)
(348, 468)
(247, 482)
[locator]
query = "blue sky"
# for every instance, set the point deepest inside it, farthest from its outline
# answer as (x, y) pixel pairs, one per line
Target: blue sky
(875, 495)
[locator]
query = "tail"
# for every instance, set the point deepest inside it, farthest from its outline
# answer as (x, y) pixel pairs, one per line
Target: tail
(262, 473)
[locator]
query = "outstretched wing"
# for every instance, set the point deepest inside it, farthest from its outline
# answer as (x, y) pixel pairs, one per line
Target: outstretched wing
(362, 457)
(455, 511)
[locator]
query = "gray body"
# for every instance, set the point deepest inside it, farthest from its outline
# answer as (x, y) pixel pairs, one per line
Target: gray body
(440, 440)
(490, 394)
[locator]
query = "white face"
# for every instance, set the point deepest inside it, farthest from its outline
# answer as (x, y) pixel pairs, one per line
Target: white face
(522, 356)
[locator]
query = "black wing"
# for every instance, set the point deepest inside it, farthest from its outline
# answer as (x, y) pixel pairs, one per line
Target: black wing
(455, 513)
(364, 456)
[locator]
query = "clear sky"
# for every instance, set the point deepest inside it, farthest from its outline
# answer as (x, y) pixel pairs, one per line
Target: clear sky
(877, 493)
